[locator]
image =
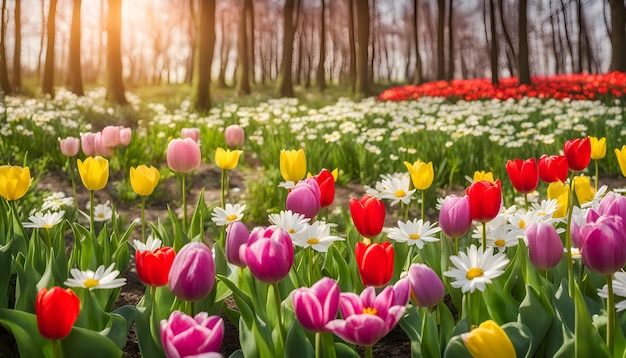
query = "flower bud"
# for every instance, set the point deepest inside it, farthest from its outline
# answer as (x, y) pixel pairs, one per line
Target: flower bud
(304, 198)
(56, 310)
(69, 146)
(153, 267)
(87, 143)
(603, 247)
(269, 254)
(426, 287)
(94, 172)
(143, 179)
(237, 235)
(186, 336)
(183, 155)
(111, 136)
(545, 248)
(126, 134)
(100, 147)
(14, 181)
(193, 133)
(193, 272)
(234, 135)
(455, 217)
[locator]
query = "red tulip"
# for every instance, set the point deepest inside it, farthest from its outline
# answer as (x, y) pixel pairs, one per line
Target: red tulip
(326, 182)
(368, 215)
(153, 268)
(375, 262)
(485, 200)
(56, 310)
(578, 153)
(553, 168)
(524, 174)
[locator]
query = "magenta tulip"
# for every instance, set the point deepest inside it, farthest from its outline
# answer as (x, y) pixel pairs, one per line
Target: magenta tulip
(237, 234)
(126, 134)
(184, 336)
(455, 216)
(193, 133)
(545, 247)
(604, 244)
(101, 148)
(613, 204)
(69, 146)
(87, 143)
(111, 136)
(318, 305)
(304, 198)
(234, 135)
(268, 254)
(183, 155)
(192, 275)
(427, 289)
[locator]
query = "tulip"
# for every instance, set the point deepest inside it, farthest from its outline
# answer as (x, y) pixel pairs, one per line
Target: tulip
(193, 272)
(422, 174)
(598, 147)
(193, 133)
(94, 172)
(292, 164)
(553, 168)
(153, 267)
(326, 182)
(368, 215)
(482, 175)
(603, 244)
(375, 263)
(621, 159)
(268, 253)
(427, 289)
(318, 305)
(227, 159)
(545, 248)
(304, 198)
(183, 155)
(578, 153)
(524, 174)
(144, 179)
(613, 204)
(559, 191)
(14, 181)
(234, 135)
(126, 134)
(87, 143)
(455, 216)
(485, 200)
(110, 136)
(488, 340)
(56, 310)
(583, 189)
(237, 235)
(69, 146)
(101, 148)
(184, 336)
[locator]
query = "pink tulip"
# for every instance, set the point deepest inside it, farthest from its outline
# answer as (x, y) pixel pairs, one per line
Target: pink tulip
(234, 135)
(426, 287)
(237, 234)
(367, 318)
(193, 133)
(603, 243)
(318, 305)
(87, 143)
(545, 248)
(304, 198)
(111, 136)
(455, 216)
(183, 155)
(69, 146)
(126, 134)
(184, 336)
(192, 275)
(268, 254)
(100, 148)
(613, 204)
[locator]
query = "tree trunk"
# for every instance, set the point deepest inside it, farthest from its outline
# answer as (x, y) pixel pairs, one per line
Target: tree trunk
(17, 54)
(362, 86)
(251, 45)
(417, 78)
(75, 77)
(494, 45)
(5, 84)
(352, 44)
(47, 86)
(510, 50)
(204, 58)
(42, 37)
(115, 88)
(321, 79)
(524, 67)
(243, 65)
(224, 52)
(450, 44)
(567, 38)
(441, 19)
(618, 35)
(284, 85)
(192, 38)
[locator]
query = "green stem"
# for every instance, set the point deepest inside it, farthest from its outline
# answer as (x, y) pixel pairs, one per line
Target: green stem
(422, 210)
(91, 221)
(223, 188)
(318, 345)
(368, 352)
(143, 219)
(596, 181)
(409, 258)
(468, 308)
(184, 192)
(55, 348)
(610, 308)
(71, 170)
(278, 311)
(526, 201)
(484, 243)
(568, 236)
(456, 245)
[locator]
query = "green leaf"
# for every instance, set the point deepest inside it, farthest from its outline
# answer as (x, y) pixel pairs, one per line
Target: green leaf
(345, 351)
(521, 337)
(83, 342)
(117, 331)
(147, 345)
(23, 326)
(536, 313)
(244, 303)
(501, 306)
(430, 335)
(337, 268)
(5, 273)
(297, 343)
(456, 349)
(588, 342)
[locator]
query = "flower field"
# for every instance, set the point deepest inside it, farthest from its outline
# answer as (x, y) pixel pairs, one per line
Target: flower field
(484, 228)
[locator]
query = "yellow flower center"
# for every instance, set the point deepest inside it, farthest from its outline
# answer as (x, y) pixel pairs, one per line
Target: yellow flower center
(500, 243)
(414, 236)
(369, 310)
(101, 215)
(522, 224)
(89, 283)
(400, 193)
(313, 241)
(47, 226)
(473, 273)
(231, 217)
(291, 231)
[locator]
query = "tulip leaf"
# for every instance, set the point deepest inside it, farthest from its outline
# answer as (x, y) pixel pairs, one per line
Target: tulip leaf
(501, 306)
(456, 349)
(588, 342)
(536, 313)
(430, 335)
(521, 337)
(25, 289)
(411, 323)
(446, 323)
(345, 351)
(244, 303)
(23, 326)
(196, 225)
(147, 345)
(297, 343)
(237, 354)
(5, 273)
(82, 342)
(117, 331)
(337, 267)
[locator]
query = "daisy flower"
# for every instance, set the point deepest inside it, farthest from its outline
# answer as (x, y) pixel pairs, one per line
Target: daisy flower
(546, 208)
(56, 201)
(44, 221)
(415, 232)
(102, 278)
(397, 190)
(316, 235)
(597, 197)
(520, 221)
(101, 212)
(619, 289)
(228, 215)
(289, 221)
(151, 244)
(475, 269)
(500, 237)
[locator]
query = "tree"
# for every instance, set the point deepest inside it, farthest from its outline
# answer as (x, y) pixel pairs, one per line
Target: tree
(441, 18)
(618, 35)
(524, 68)
(417, 78)
(5, 85)
(115, 88)
(450, 43)
(352, 44)
(321, 80)
(284, 85)
(47, 86)
(204, 55)
(494, 45)
(75, 77)
(363, 33)
(17, 54)
(243, 64)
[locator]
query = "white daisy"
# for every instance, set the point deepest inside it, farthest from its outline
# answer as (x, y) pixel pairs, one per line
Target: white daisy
(597, 197)
(500, 237)
(91, 280)
(520, 221)
(546, 208)
(476, 269)
(44, 221)
(151, 244)
(316, 235)
(56, 201)
(619, 289)
(415, 232)
(101, 212)
(396, 190)
(289, 221)
(228, 215)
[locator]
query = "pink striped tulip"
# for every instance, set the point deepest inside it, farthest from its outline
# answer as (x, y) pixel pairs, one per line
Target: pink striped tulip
(318, 305)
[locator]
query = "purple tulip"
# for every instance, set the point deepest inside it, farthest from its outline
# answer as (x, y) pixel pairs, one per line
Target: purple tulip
(455, 216)
(426, 287)
(367, 318)
(184, 336)
(69, 146)
(183, 155)
(613, 204)
(317, 305)
(237, 234)
(87, 143)
(305, 198)
(603, 247)
(234, 135)
(192, 275)
(545, 248)
(268, 254)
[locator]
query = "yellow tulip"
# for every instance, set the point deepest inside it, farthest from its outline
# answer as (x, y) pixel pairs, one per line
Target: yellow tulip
(489, 340)
(292, 164)
(14, 181)
(482, 175)
(559, 191)
(94, 172)
(582, 188)
(598, 147)
(144, 179)
(621, 159)
(335, 174)
(422, 174)
(227, 159)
